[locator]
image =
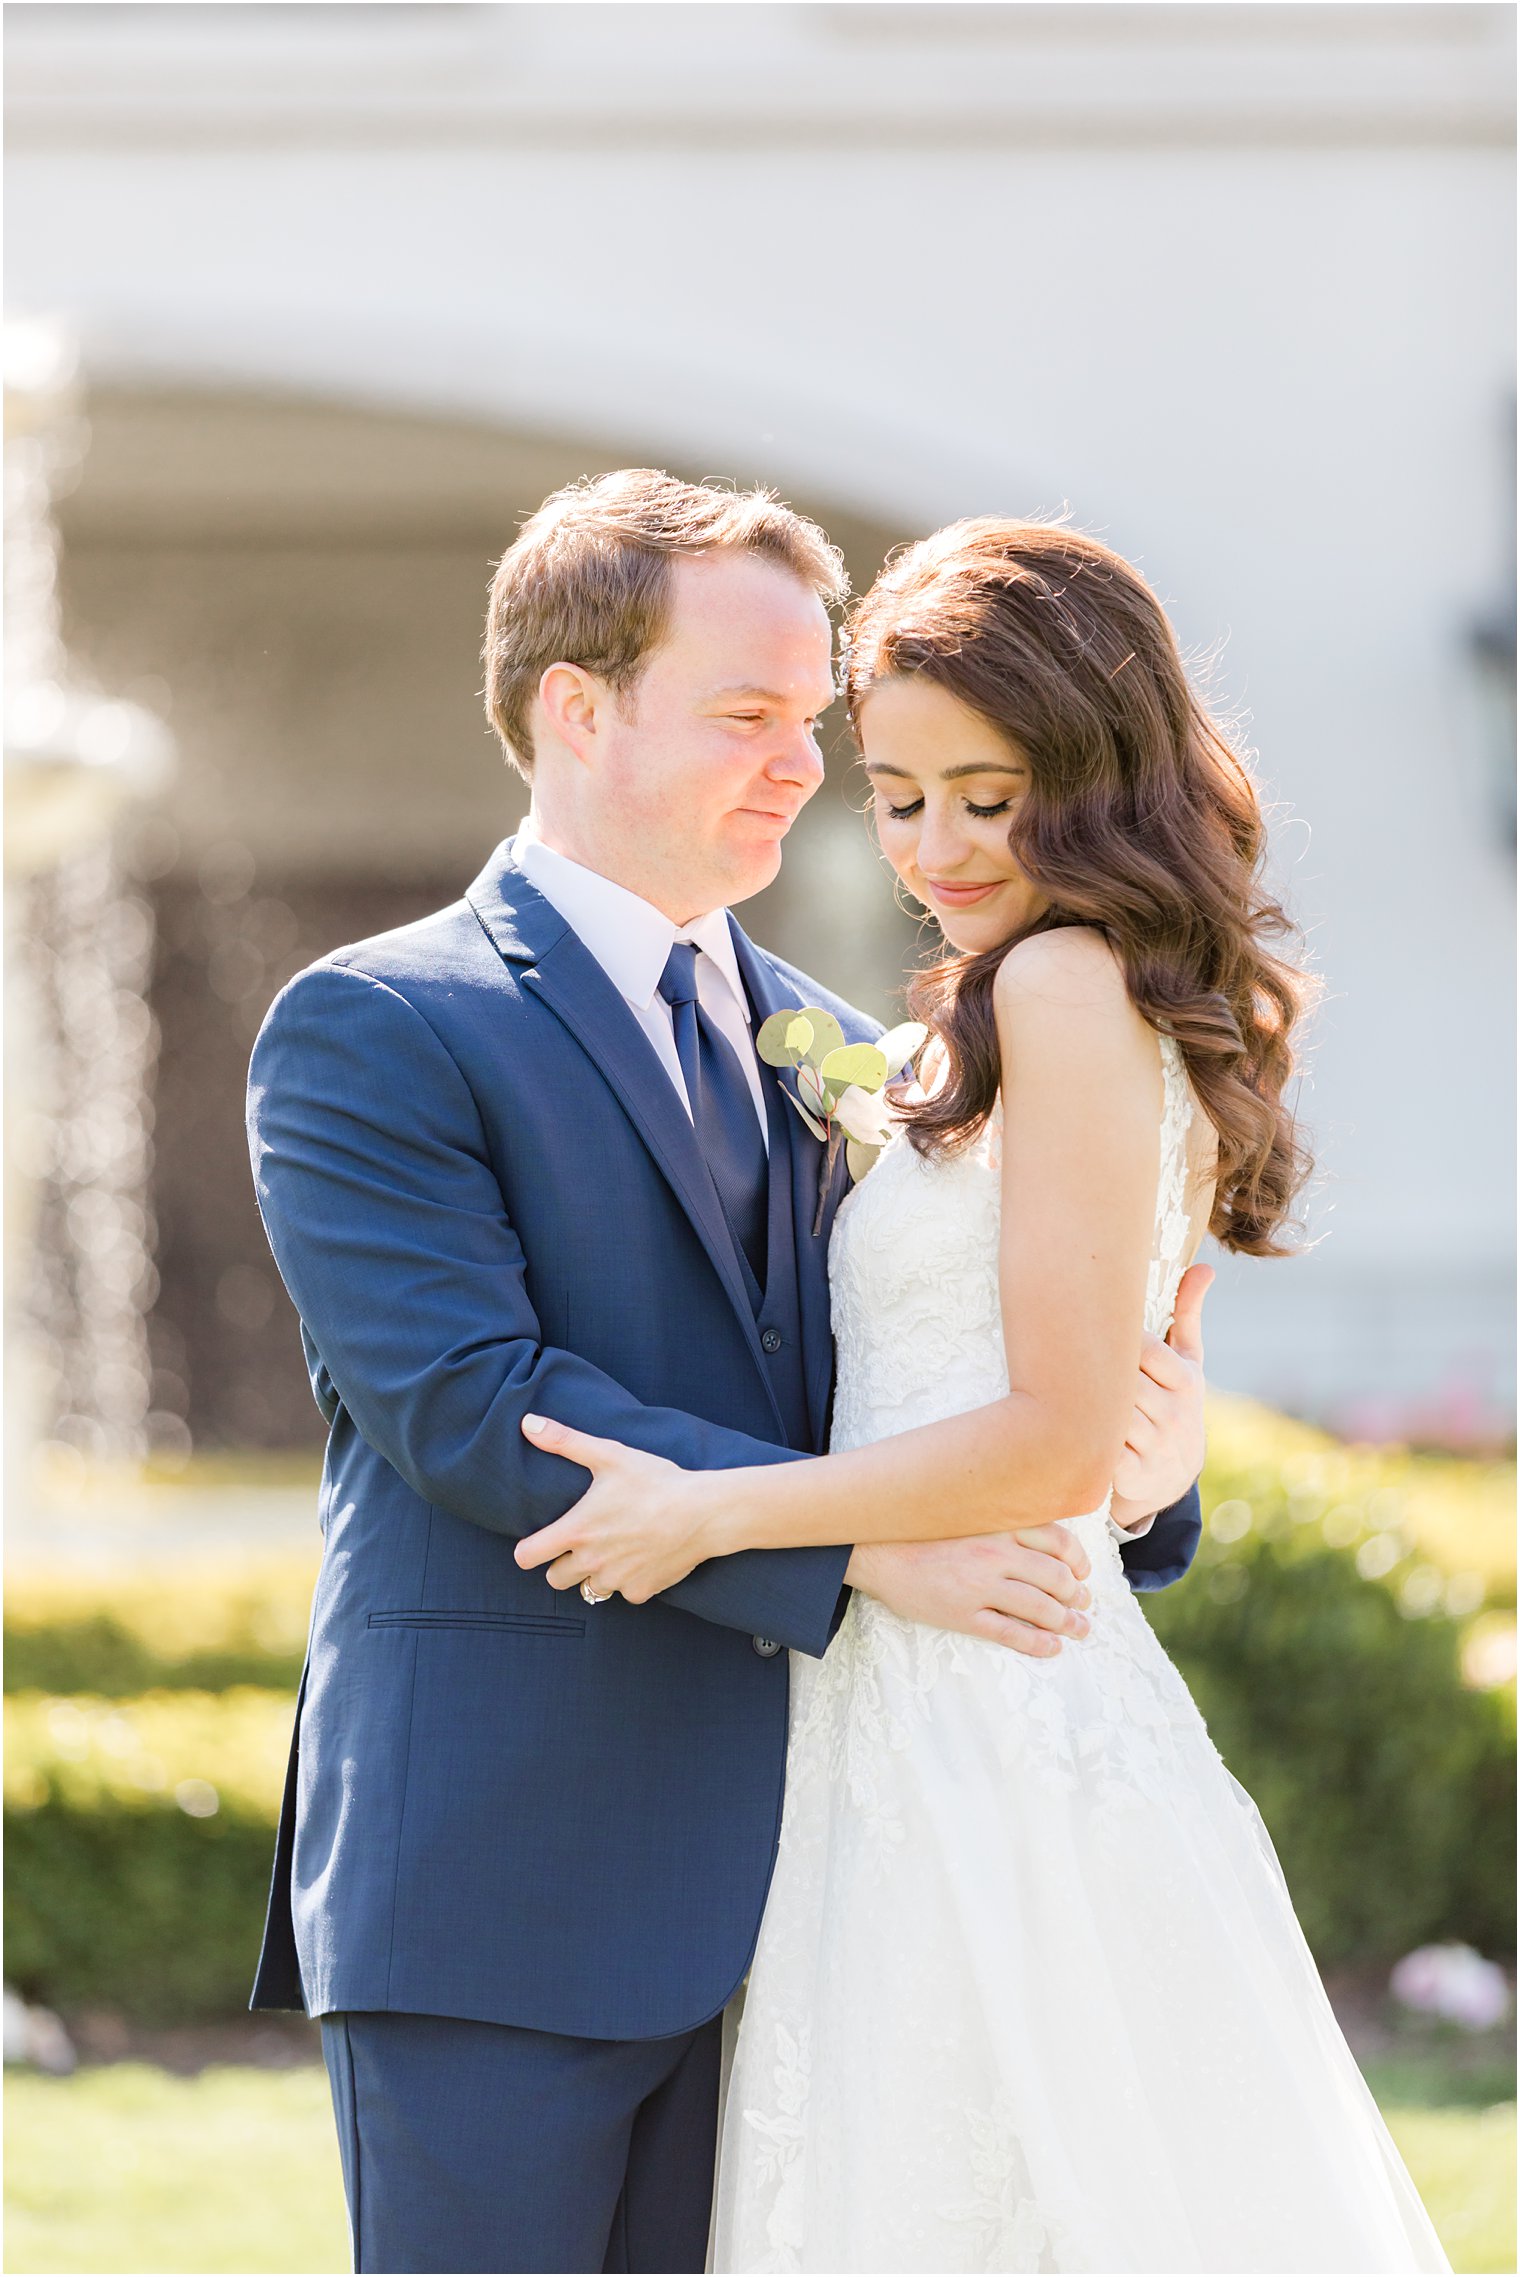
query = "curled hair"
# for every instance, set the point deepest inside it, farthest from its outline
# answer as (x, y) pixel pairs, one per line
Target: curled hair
(1139, 820)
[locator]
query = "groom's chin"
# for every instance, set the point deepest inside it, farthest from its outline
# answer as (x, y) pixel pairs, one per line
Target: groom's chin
(752, 868)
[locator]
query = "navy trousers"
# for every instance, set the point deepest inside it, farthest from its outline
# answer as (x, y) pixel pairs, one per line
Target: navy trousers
(484, 2147)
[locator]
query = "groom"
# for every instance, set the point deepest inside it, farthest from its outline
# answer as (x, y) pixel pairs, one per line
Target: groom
(520, 1156)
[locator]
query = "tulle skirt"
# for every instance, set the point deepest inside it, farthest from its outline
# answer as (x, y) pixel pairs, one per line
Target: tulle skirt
(1030, 1993)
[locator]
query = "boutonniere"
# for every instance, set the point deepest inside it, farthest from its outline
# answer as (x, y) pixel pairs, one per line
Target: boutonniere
(841, 1088)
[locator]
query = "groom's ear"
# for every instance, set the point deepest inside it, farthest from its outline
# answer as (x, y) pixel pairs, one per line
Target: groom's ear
(574, 704)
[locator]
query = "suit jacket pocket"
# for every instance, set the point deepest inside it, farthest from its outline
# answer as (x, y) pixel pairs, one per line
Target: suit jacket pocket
(529, 1624)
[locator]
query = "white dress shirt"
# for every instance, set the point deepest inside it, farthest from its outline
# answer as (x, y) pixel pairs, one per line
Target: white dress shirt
(631, 940)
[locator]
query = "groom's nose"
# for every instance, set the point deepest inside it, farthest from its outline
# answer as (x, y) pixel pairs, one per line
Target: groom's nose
(797, 758)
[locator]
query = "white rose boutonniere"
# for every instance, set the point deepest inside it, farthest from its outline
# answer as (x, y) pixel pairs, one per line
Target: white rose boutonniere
(841, 1088)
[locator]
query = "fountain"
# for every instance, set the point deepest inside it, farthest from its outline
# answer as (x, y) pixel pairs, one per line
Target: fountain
(79, 1037)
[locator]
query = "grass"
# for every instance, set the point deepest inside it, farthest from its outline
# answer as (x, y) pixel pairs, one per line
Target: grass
(127, 2168)
(1463, 2164)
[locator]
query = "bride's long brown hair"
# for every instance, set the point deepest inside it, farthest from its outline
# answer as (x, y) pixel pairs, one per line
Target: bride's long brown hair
(1140, 819)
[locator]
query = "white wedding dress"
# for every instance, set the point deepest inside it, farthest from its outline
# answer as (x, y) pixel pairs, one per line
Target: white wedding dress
(1029, 1992)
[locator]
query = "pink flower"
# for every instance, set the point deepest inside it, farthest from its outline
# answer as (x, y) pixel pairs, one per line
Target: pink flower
(1454, 1982)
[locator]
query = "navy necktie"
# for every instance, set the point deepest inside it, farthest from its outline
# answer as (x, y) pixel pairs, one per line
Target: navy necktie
(722, 1107)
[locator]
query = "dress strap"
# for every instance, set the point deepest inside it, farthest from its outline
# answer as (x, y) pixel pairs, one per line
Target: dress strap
(1172, 1214)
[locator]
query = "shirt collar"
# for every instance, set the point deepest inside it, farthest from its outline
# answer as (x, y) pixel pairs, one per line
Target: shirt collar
(629, 938)
(714, 936)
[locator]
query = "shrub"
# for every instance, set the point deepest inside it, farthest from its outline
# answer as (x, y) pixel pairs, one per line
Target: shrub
(197, 1627)
(1454, 1515)
(139, 1837)
(1386, 1784)
(1323, 1642)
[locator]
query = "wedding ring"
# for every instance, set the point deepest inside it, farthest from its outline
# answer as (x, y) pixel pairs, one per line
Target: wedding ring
(596, 1596)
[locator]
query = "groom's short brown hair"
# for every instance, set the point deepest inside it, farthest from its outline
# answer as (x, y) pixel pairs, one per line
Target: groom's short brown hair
(588, 580)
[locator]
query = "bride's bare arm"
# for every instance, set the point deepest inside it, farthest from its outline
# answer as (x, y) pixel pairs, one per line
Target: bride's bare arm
(1081, 1138)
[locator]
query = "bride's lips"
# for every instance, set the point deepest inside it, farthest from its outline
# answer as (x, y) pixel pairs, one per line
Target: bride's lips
(960, 896)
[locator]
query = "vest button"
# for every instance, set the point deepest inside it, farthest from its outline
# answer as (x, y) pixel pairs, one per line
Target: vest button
(770, 1340)
(767, 1647)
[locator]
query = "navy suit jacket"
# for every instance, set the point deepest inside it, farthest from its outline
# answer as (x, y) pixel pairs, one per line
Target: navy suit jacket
(486, 1199)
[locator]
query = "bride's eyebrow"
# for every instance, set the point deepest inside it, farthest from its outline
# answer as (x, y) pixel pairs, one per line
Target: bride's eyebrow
(951, 774)
(984, 767)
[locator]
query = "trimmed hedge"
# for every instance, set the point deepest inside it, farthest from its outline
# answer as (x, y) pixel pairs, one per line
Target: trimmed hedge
(1454, 1515)
(1388, 1786)
(1322, 1632)
(139, 1837)
(194, 1628)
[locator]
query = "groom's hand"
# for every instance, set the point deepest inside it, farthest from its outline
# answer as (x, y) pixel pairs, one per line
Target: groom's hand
(1164, 1448)
(1023, 1590)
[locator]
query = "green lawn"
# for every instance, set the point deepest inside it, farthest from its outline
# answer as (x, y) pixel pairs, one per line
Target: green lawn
(127, 2168)
(1463, 2163)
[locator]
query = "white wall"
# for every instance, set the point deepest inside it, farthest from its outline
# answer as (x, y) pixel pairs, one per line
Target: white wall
(1231, 281)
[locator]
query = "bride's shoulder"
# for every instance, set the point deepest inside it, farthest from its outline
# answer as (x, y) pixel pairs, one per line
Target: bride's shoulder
(1072, 967)
(1062, 1004)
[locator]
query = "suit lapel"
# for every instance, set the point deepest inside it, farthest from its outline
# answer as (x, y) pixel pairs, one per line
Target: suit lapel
(560, 970)
(797, 1165)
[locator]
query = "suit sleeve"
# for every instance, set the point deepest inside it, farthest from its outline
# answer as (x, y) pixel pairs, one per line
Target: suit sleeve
(1163, 1553)
(390, 1232)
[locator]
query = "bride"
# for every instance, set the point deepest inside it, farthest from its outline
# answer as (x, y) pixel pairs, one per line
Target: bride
(1029, 1993)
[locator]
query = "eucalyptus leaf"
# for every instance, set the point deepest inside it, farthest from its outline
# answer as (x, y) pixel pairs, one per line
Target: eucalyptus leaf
(856, 1063)
(827, 1033)
(799, 1035)
(771, 1043)
(813, 1091)
(899, 1045)
(860, 1158)
(814, 1126)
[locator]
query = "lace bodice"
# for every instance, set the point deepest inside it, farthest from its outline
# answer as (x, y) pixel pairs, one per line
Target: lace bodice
(913, 1270)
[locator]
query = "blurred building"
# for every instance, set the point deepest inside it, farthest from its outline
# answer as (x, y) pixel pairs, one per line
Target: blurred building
(356, 285)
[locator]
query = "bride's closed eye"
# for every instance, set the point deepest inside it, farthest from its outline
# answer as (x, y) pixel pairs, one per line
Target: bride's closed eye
(904, 813)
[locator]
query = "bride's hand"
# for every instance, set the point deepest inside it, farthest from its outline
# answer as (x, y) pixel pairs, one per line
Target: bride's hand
(640, 1527)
